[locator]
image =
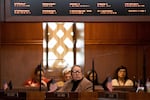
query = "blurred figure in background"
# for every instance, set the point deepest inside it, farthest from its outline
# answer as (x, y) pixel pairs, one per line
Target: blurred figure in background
(90, 77)
(66, 77)
(35, 80)
(67, 74)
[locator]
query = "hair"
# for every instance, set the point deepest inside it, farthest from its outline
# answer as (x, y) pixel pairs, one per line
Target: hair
(117, 70)
(88, 76)
(76, 66)
(38, 68)
(66, 70)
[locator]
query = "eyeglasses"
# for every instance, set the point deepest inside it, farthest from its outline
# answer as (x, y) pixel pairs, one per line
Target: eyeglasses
(75, 72)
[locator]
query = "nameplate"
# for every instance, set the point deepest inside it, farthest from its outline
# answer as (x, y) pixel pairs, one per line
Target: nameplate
(111, 95)
(56, 95)
(61, 95)
(107, 95)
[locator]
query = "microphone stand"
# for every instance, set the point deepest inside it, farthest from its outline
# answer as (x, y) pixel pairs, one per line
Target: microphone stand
(144, 68)
(93, 74)
(40, 78)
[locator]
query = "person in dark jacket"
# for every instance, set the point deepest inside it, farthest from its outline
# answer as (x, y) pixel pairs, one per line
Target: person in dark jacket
(78, 83)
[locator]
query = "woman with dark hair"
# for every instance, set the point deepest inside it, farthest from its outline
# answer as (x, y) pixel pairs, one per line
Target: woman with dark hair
(90, 77)
(35, 80)
(121, 77)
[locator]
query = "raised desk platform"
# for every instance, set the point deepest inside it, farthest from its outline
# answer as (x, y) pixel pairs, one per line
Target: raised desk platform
(12, 95)
(138, 96)
(62, 96)
(98, 95)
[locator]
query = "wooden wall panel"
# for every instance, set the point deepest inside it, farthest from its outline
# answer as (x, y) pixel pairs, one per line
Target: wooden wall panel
(21, 52)
(143, 41)
(108, 57)
(143, 33)
(21, 32)
(115, 44)
(19, 61)
(109, 44)
(0, 50)
(147, 61)
(110, 33)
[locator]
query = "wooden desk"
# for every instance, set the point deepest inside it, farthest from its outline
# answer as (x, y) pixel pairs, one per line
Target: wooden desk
(62, 96)
(138, 96)
(12, 96)
(105, 95)
(86, 96)
(71, 96)
(98, 95)
(35, 95)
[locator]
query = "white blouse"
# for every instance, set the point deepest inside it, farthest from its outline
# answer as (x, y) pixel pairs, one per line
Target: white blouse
(128, 82)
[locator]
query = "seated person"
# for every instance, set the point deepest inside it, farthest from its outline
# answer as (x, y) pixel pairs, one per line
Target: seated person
(78, 83)
(66, 76)
(121, 77)
(35, 81)
(90, 77)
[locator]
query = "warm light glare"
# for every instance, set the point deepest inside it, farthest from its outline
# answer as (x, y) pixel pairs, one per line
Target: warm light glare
(60, 44)
(52, 25)
(44, 26)
(68, 25)
(80, 26)
(80, 43)
(52, 43)
(44, 43)
(60, 33)
(68, 43)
